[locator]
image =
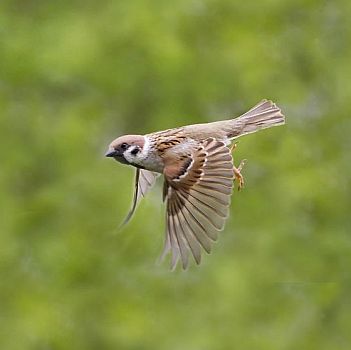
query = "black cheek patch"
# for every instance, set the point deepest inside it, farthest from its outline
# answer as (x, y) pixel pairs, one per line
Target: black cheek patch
(135, 151)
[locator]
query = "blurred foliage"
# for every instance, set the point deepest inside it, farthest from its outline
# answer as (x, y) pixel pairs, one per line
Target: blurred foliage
(76, 74)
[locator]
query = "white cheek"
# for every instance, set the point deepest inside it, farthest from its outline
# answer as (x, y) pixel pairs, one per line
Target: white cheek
(134, 158)
(128, 156)
(145, 158)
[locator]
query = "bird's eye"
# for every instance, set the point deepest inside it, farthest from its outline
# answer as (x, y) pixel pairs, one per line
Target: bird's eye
(135, 151)
(124, 145)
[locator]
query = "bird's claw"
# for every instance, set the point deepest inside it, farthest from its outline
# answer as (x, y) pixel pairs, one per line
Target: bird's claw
(232, 148)
(237, 170)
(238, 176)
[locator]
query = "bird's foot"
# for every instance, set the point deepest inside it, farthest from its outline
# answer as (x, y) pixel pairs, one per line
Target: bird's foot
(237, 170)
(238, 176)
(234, 145)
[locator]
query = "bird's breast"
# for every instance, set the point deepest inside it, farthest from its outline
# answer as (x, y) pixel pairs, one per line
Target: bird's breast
(153, 162)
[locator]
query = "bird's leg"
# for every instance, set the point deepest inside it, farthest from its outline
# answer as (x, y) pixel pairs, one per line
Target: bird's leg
(238, 175)
(233, 146)
(237, 170)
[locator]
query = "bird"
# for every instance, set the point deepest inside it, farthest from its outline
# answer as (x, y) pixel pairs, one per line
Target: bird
(197, 165)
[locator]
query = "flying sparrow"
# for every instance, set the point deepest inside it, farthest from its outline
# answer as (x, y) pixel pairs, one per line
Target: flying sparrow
(198, 170)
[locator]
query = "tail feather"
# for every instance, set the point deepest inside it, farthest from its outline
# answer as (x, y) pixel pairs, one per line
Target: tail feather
(264, 115)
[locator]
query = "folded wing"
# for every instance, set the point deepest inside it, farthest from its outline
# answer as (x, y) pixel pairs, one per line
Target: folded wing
(144, 181)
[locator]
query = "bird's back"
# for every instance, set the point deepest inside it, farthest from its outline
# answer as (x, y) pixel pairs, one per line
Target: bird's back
(264, 115)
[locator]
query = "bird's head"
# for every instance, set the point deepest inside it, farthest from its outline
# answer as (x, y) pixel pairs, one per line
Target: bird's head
(127, 149)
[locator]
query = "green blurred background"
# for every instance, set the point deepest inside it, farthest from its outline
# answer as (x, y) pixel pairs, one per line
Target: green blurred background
(76, 74)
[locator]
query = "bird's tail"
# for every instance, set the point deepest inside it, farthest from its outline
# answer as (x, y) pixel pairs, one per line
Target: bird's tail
(264, 115)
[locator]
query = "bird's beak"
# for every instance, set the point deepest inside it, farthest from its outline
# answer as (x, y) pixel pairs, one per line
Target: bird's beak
(111, 153)
(116, 155)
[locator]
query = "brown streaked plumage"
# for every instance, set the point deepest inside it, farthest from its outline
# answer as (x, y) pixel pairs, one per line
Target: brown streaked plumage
(198, 201)
(198, 170)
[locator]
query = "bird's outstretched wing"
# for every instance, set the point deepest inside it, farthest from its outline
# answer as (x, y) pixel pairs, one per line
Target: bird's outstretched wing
(198, 190)
(144, 180)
